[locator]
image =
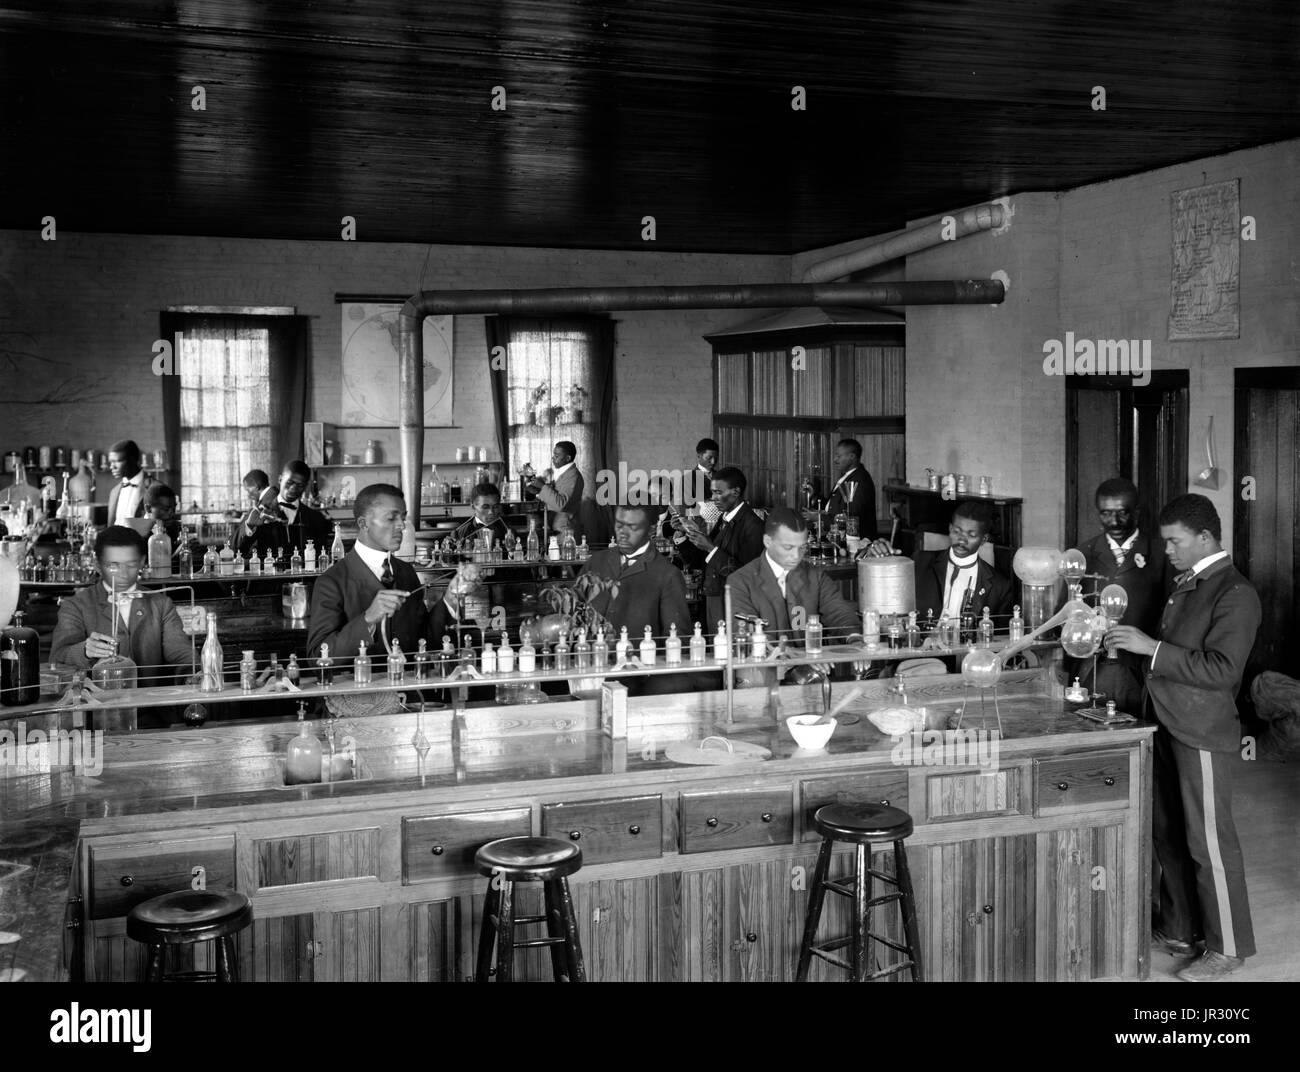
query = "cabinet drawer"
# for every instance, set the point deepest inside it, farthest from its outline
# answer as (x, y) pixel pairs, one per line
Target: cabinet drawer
(878, 787)
(1079, 781)
(443, 846)
(619, 828)
(738, 819)
(974, 794)
(121, 876)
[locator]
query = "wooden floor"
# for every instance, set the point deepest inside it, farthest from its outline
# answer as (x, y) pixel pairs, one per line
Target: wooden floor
(1266, 807)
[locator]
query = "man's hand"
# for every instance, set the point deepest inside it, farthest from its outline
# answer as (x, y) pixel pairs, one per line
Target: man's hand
(877, 549)
(253, 519)
(387, 602)
(699, 539)
(1129, 638)
(100, 646)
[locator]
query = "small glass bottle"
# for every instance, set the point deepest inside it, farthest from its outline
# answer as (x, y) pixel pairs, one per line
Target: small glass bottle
(720, 643)
(372, 452)
(268, 564)
(583, 552)
(361, 666)
(562, 652)
(527, 656)
(213, 679)
(986, 630)
(582, 651)
(622, 646)
(446, 658)
(302, 759)
(211, 561)
(648, 649)
(553, 550)
(600, 650)
(1017, 624)
(423, 660)
(325, 668)
(895, 635)
(505, 655)
(248, 672)
(295, 563)
(968, 632)
(568, 549)
(812, 640)
(396, 663)
(185, 558)
(913, 631)
(488, 660)
(226, 560)
(309, 557)
(758, 641)
(673, 646)
(699, 645)
(292, 672)
(336, 548)
(871, 629)
(274, 671)
(160, 552)
(254, 564)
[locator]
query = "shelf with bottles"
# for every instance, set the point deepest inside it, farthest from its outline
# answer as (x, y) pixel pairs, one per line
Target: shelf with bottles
(398, 464)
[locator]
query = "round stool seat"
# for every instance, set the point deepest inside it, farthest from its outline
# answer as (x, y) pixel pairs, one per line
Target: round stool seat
(529, 859)
(862, 822)
(189, 916)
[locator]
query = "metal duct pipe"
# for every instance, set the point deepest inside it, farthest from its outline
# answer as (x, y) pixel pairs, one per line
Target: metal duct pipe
(980, 218)
(605, 299)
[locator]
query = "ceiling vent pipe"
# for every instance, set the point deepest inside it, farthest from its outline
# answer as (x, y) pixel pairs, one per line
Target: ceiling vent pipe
(559, 301)
(980, 218)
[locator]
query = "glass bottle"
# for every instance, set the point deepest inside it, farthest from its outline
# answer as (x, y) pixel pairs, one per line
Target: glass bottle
(812, 636)
(185, 557)
(28, 572)
(423, 660)
(986, 630)
(913, 631)
(505, 655)
(534, 544)
(227, 560)
(435, 487)
(699, 646)
(562, 652)
(254, 564)
(396, 663)
(527, 656)
(292, 672)
(968, 619)
(553, 549)
(274, 671)
(758, 642)
(20, 664)
(1017, 624)
(583, 552)
(648, 650)
(600, 650)
(248, 671)
(336, 548)
(268, 564)
(295, 563)
(309, 557)
(302, 758)
(325, 668)
(582, 651)
(895, 635)
(622, 647)
(720, 643)
(211, 561)
(568, 549)
(213, 679)
(446, 658)
(372, 452)
(871, 629)
(160, 552)
(488, 661)
(361, 666)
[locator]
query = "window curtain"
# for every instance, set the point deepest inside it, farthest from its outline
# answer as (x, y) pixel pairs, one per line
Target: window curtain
(237, 401)
(558, 383)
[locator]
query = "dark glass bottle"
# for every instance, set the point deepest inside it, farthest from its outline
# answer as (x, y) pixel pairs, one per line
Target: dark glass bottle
(20, 664)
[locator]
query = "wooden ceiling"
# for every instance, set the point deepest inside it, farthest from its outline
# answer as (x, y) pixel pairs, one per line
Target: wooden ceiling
(679, 109)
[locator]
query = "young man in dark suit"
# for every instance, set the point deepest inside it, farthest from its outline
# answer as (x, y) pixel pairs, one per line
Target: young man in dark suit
(1194, 666)
(947, 578)
(1124, 554)
(287, 522)
(854, 492)
(735, 539)
(487, 515)
(561, 490)
(352, 599)
(126, 499)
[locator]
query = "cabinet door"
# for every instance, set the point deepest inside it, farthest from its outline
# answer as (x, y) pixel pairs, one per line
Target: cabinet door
(618, 928)
(1081, 886)
(310, 947)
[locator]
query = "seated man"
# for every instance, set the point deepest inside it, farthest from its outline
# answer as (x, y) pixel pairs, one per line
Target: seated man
(735, 539)
(287, 523)
(487, 515)
(149, 630)
(160, 505)
(632, 585)
(369, 584)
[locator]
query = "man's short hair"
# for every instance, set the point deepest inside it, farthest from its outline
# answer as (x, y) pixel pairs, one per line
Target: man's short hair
(369, 495)
(707, 444)
(976, 511)
(650, 513)
(297, 467)
(119, 536)
(569, 448)
(128, 449)
(1118, 487)
(854, 446)
(1196, 512)
(784, 517)
(732, 477)
(155, 493)
(485, 491)
(257, 478)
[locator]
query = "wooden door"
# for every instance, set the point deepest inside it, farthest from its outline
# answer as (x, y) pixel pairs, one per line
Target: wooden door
(1080, 883)
(1266, 529)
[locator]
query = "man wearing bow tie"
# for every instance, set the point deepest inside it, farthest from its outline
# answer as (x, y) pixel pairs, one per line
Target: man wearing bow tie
(1194, 667)
(148, 628)
(734, 539)
(854, 493)
(487, 517)
(947, 579)
(285, 521)
(126, 500)
(1125, 555)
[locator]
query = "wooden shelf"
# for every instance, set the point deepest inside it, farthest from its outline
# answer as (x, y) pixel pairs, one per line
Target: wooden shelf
(393, 465)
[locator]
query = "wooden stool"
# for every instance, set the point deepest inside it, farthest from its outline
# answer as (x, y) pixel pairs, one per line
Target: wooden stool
(185, 918)
(861, 824)
(529, 859)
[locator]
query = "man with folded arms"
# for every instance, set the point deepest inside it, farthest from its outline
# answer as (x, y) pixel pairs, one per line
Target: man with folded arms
(1194, 666)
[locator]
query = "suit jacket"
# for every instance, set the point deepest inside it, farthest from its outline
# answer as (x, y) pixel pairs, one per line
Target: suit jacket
(650, 591)
(861, 505)
(308, 524)
(154, 638)
(470, 526)
(145, 482)
(754, 591)
(1147, 586)
(339, 600)
(992, 589)
(563, 499)
(738, 542)
(1206, 634)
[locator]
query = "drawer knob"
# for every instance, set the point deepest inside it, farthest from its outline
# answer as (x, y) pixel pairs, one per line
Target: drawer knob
(127, 880)
(634, 830)
(1062, 786)
(750, 936)
(437, 850)
(988, 910)
(766, 816)
(575, 835)
(1109, 781)
(711, 821)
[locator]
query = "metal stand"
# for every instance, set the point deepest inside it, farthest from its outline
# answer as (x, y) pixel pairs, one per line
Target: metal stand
(983, 707)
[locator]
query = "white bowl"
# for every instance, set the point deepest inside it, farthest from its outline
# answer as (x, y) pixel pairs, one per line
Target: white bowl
(806, 731)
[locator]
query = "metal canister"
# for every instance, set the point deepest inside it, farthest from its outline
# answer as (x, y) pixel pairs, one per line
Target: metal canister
(12, 459)
(46, 456)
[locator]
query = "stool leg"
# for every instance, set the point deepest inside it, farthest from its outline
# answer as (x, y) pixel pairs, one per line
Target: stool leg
(815, 898)
(487, 933)
(555, 929)
(227, 962)
(506, 935)
(153, 968)
(861, 913)
(572, 947)
(904, 877)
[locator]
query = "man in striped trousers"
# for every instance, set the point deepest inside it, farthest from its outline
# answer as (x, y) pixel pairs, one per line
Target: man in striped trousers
(1192, 672)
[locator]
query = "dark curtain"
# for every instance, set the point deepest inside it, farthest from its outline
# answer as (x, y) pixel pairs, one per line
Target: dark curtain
(498, 334)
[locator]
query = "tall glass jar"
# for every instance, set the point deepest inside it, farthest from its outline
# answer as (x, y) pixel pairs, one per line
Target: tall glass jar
(20, 665)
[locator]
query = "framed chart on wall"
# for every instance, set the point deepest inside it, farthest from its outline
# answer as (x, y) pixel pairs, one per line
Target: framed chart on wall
(370, 375)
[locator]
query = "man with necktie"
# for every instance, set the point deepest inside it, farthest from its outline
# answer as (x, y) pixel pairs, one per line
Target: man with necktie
(854, 493)
(1126, 555)
(949, 579)
(126, 500)
(351, 600)
(734, 539)
(287, 523)
(486, 517)
(1194, 666)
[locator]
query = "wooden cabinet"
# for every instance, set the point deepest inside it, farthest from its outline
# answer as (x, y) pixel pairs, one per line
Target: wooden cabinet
(617, 828)
(443, 846)
(1083, 903)
(322, 947)
(736, 819)
(122, 876)
(1075, 783)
